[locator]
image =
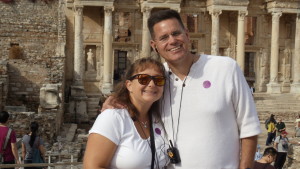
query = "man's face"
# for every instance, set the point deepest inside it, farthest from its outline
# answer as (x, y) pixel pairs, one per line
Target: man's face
(170, 40)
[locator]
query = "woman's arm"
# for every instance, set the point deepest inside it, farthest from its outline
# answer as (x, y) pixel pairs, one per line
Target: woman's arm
(99, 152)
(23, 151)
(275, 145)
(14, 150)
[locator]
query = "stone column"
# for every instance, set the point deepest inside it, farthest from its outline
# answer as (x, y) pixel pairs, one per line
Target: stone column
(273, 86)
(146, 34)
(295, 86)
(240, 56)
(78, 47)
(215, 29)
(99, 55)
(108, 56)
(77, 104)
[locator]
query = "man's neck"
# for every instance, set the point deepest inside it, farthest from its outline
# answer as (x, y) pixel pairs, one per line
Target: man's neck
(182, 69)
(2, 124)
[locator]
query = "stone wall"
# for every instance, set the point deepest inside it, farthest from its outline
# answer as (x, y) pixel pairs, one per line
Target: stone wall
(32, 39)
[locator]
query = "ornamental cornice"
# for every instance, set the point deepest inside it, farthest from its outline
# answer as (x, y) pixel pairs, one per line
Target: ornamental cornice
(165, 4)
(228, 2)
(73, 3)
(284, 7)
(226, 8)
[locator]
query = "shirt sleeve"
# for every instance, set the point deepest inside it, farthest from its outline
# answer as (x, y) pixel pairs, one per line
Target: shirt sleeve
(244, 105)
(110, 125)
(13, 138)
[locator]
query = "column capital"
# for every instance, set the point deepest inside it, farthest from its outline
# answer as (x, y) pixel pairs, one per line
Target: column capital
(108, 10)
(146, 9)
(215, 12)
(78, 10)
(276, 16)
(242, 14)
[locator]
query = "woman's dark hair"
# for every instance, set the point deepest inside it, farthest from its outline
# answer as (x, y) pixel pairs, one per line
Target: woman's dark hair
(122, 93)
(270, 151)
(161, 15)
(272, 118)
(34, 126)
(4, 116)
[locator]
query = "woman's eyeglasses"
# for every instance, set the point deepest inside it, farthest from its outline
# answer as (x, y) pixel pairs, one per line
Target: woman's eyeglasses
(145, 79)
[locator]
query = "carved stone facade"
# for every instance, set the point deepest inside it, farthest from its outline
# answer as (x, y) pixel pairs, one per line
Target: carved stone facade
(263, 36)
(47, 68)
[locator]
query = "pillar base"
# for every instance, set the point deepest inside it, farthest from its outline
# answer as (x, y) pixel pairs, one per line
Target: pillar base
(285, 87)
(295, 88)
(78, 104)
(262, 87)
(273, 88)
(107, 88)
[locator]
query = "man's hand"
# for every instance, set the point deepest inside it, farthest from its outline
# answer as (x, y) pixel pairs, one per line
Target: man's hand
(112, 103)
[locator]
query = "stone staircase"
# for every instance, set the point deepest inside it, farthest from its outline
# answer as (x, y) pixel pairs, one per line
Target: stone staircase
(93, 105)
(285, 105)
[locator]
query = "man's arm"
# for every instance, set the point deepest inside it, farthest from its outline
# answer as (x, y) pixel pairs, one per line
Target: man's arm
(248, 150)
(112, 103)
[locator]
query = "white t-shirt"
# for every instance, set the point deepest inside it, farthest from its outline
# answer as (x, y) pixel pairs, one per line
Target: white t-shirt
(281, 141)
(217, 110)
(132, 152)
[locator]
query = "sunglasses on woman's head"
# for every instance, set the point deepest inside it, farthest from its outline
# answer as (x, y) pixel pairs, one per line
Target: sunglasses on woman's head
(145, 79)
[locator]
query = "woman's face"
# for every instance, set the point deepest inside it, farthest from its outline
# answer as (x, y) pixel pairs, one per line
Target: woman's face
(147, 93)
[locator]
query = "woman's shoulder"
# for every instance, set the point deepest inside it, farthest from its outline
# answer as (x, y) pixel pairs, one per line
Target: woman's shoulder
(121, 113)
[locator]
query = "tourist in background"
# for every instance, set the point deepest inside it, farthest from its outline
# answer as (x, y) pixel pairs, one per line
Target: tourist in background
(124, 138)
(280, 126)
(271, 130)
(268, 157)
(282, 147)
(297, 128)
(10, 153)
(30, 142)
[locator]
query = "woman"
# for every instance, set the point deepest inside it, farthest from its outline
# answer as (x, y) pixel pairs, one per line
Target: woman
(122, 138)
(268, 157)
(271, 130)
(30, 142)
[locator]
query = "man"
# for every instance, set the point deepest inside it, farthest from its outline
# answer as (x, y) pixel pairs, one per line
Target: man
(10, 153)
(268, 157)
(280, 126)
(282, 147)
(207, 107)
(297, 128)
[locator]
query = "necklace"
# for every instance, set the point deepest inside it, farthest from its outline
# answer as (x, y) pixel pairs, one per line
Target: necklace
(144, 124)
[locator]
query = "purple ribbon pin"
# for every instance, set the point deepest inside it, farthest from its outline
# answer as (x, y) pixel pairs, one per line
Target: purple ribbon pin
(206, 84)
(158, 131)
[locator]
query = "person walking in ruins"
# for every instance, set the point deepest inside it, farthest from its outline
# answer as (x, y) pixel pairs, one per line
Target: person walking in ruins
(268, 157)
(206, 99)
(297, 128)
(280, 126)
(281, 144)
(271, 130)
(30, 142)
(133, 137)
(10, 150)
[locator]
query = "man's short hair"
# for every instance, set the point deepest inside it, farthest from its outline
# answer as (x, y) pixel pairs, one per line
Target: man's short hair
(4, 116)
(270, 151)
(161, 15)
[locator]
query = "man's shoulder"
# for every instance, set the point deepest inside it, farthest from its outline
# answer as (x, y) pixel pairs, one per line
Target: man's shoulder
(219, 60)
